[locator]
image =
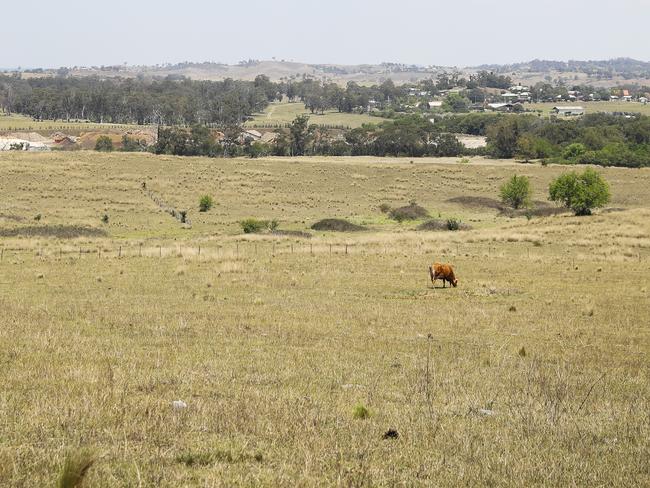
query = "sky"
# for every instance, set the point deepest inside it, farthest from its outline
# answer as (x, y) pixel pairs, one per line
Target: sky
(426, 32)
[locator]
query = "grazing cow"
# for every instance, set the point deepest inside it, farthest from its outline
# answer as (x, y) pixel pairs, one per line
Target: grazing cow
(443, 272)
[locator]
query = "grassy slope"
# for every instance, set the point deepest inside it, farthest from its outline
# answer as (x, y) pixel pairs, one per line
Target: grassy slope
(271, 349)
(22, 123)
(592, 107)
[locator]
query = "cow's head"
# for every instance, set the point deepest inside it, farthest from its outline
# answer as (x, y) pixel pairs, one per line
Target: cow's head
(455, 282)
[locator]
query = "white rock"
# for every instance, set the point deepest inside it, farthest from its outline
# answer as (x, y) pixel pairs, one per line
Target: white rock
(179, 405)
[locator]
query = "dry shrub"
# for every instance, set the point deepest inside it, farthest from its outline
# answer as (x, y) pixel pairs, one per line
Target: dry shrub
(337, 225)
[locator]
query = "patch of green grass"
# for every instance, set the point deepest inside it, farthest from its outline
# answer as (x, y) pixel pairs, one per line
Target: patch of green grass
(284, 113)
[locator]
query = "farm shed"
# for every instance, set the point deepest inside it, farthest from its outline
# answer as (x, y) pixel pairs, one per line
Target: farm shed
(568, 111)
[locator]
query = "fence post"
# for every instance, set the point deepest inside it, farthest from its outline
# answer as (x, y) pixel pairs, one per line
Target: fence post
(291, 248)
(119, 254)
(199, 250)
(99, 252)
(79, 252)
(346, 249)
(2, 253)
(330, 249)
(160, 251)
(311, 249)
(237, 250)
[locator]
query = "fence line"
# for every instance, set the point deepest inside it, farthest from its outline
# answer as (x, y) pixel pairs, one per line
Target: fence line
(252, 249)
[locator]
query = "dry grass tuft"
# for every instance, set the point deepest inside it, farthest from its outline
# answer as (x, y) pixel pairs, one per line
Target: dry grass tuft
(75, 469)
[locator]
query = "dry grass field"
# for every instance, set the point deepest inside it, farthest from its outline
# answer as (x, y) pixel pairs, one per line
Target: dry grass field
(594, 107)
(295, 356)
(14, 123)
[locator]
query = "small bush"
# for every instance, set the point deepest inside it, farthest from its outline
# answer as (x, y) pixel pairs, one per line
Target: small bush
(205, 203)
(360, 412)
(337, 225)
(443, 225)
(384, 208)
(516, 192)
(252, 226)
(453, 224)
(37, 217)
(105, 219)
(104, 143)
(413, 211)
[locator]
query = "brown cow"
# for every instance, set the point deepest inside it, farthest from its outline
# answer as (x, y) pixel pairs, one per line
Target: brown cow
(443, 272)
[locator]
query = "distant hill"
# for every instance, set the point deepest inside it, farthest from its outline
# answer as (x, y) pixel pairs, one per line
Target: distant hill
(604, 72)
(625, 67)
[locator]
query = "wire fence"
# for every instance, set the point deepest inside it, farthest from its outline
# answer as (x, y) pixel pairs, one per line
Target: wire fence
(253, 249)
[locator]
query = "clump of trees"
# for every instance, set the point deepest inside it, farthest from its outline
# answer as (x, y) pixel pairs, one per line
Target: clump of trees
(104, 144)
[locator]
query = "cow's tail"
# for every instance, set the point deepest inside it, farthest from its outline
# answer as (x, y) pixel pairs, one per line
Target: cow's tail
(431, 273)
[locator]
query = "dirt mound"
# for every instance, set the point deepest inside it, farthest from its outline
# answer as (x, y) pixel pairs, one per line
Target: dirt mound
(29, 136)
(337, 225)
(476, 202)
(442, 225)
(60, 231)
(412, 211)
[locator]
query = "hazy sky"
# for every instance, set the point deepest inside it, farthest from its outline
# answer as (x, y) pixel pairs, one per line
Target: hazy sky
(40, 33)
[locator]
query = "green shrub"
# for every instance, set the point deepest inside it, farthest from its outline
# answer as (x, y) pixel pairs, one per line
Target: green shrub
(580, 192)
(105, 219)
(360, 412)
(252, 226)
(272, 225)
(205, 203)
(516, 192)
(574, 150)
(453, 224)
(104, 143)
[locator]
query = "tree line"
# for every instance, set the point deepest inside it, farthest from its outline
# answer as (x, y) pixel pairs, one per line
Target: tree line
(165, 101)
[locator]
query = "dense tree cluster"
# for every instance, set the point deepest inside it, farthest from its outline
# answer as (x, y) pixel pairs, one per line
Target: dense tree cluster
(599, 138)
(165, 101)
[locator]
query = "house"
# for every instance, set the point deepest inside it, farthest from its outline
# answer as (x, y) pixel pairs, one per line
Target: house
(500, 107)
(510, 97)
(568, 111)
(518, 88)
(435, 104)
